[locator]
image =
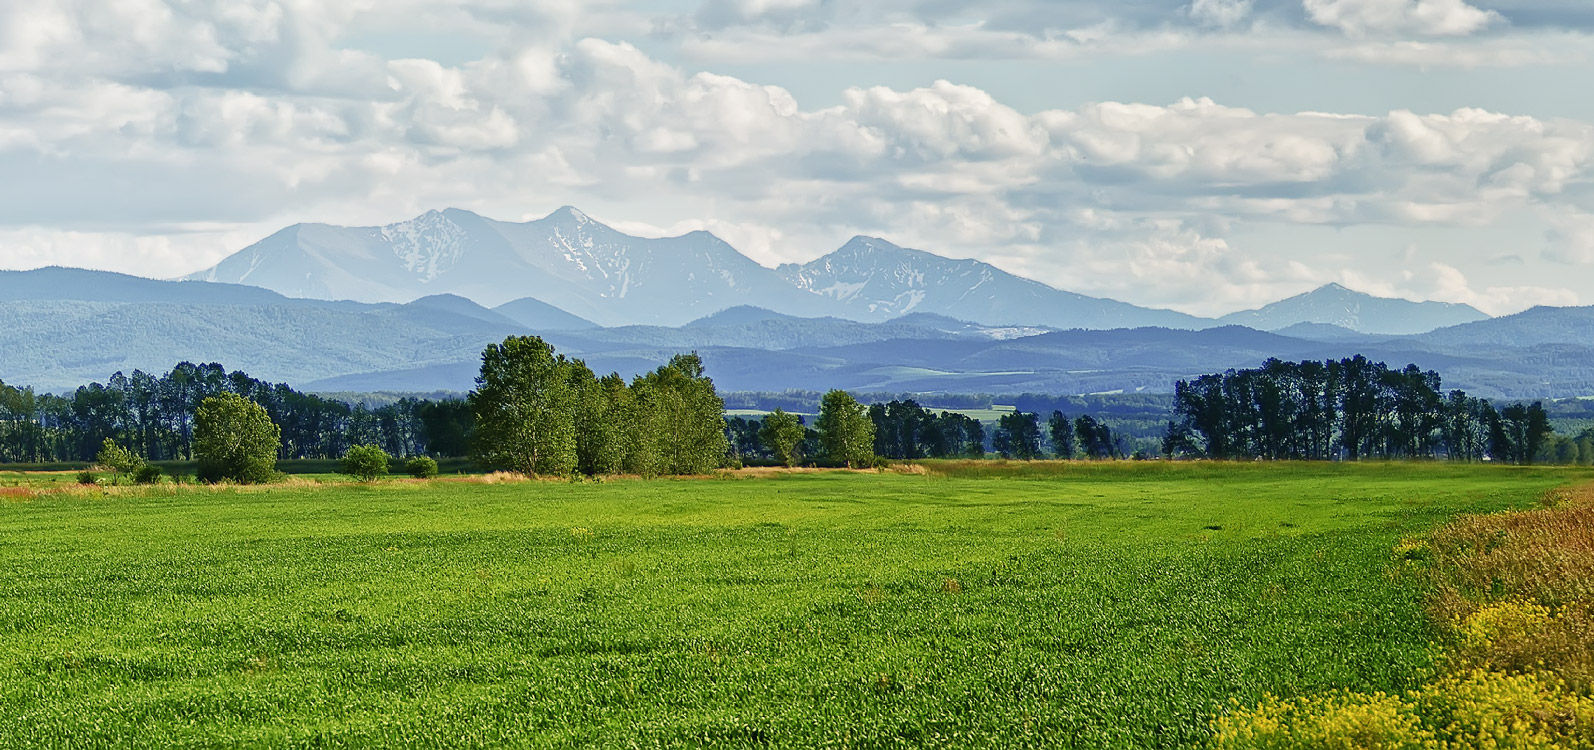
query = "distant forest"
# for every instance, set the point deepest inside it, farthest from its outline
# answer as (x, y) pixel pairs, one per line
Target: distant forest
(1348, 409)
(154, 417)
(1336, 410)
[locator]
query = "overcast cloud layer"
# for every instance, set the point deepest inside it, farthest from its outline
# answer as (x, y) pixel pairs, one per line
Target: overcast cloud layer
(1355, 140)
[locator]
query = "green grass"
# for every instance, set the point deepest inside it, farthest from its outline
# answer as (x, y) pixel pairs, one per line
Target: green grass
(1094, 605)
(990, 416)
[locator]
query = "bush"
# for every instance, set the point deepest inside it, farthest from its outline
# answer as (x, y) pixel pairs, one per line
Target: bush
(87, 477)
(118, 460)
(234, 438)
(147, 474)
(364, 462)
(421, 467)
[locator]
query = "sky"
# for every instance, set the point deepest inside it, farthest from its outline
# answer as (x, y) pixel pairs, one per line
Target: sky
(1201, 155)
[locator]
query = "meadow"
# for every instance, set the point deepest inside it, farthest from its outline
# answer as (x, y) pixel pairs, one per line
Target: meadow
(1120, 604)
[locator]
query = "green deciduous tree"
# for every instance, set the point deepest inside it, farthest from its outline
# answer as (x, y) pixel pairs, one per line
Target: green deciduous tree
(845, 430)
(1018, 435)
(117, 459)
(782, 435)
(525, 404)
(1062, 434)
(1095, 438)
(234, 438)
(364, 462)
(602, 406)
(680, 417)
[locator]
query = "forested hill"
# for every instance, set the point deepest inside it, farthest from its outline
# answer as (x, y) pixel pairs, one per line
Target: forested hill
(60, 328)
(1146, 360)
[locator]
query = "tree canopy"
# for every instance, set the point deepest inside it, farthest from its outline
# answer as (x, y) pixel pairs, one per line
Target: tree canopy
(783, 434)
(235, 439)
(845, 430)
(364, 462)
(1348, 409)
(537, 412)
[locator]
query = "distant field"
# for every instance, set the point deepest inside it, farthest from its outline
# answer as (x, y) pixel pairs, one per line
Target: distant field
(977, 604)
(984, 415)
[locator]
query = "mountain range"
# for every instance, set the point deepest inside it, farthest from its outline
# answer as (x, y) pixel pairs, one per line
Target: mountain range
(61, 328)
(603, 276)
(409, 307)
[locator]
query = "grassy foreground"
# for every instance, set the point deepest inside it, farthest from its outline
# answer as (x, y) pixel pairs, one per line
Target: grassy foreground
(1075, 605)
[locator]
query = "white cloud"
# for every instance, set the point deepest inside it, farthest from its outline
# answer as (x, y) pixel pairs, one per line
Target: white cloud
(1571, 238)
(1220, 13)
(1421, 17)
(944, 122)
(154, 255)
(1446, 283)
(1414, 33)
(1507, 52)
(248, 116)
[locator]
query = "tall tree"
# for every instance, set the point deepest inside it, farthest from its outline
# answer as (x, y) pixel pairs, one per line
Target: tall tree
(1018, 435)
(525, 408)
(782, 434)
(1095, 438)
(683, 418)
(845, 430)
(600, 415)
(1061, 432)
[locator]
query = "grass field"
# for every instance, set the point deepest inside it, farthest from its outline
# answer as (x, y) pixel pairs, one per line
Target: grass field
(974, 605)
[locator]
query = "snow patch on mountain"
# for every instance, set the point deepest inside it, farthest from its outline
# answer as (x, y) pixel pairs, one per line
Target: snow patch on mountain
(428, 245)
(590, 270)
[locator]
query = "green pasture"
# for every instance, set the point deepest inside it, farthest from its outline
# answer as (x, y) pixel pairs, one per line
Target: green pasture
(979, 604)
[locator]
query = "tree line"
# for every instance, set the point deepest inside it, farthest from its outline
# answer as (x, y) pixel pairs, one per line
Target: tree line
(1346, 409)
(154, 416)
(902, 429)
(539, 412)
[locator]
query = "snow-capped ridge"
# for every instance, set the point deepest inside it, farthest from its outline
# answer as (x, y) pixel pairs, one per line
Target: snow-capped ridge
(596, 273)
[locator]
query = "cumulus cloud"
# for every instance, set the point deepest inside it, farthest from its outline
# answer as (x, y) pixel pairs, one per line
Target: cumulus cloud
(1220, 13)
(1416, 33)
(1421, 17)
(239, 117)
(1571, 238)
(1446, 283)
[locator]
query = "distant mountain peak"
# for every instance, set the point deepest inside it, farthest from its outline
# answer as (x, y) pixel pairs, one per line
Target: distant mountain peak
(570, 215)
(442, 298)
(600, 274)
(866, 247)
(1333, 304)
(738, 315)
(864, 241)
(428, 245)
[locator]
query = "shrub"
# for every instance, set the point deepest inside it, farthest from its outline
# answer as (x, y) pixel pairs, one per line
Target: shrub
(118, 460)
(364, 462)
(234, 438)
(421, 467)
(87, 477)
(147, 474)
